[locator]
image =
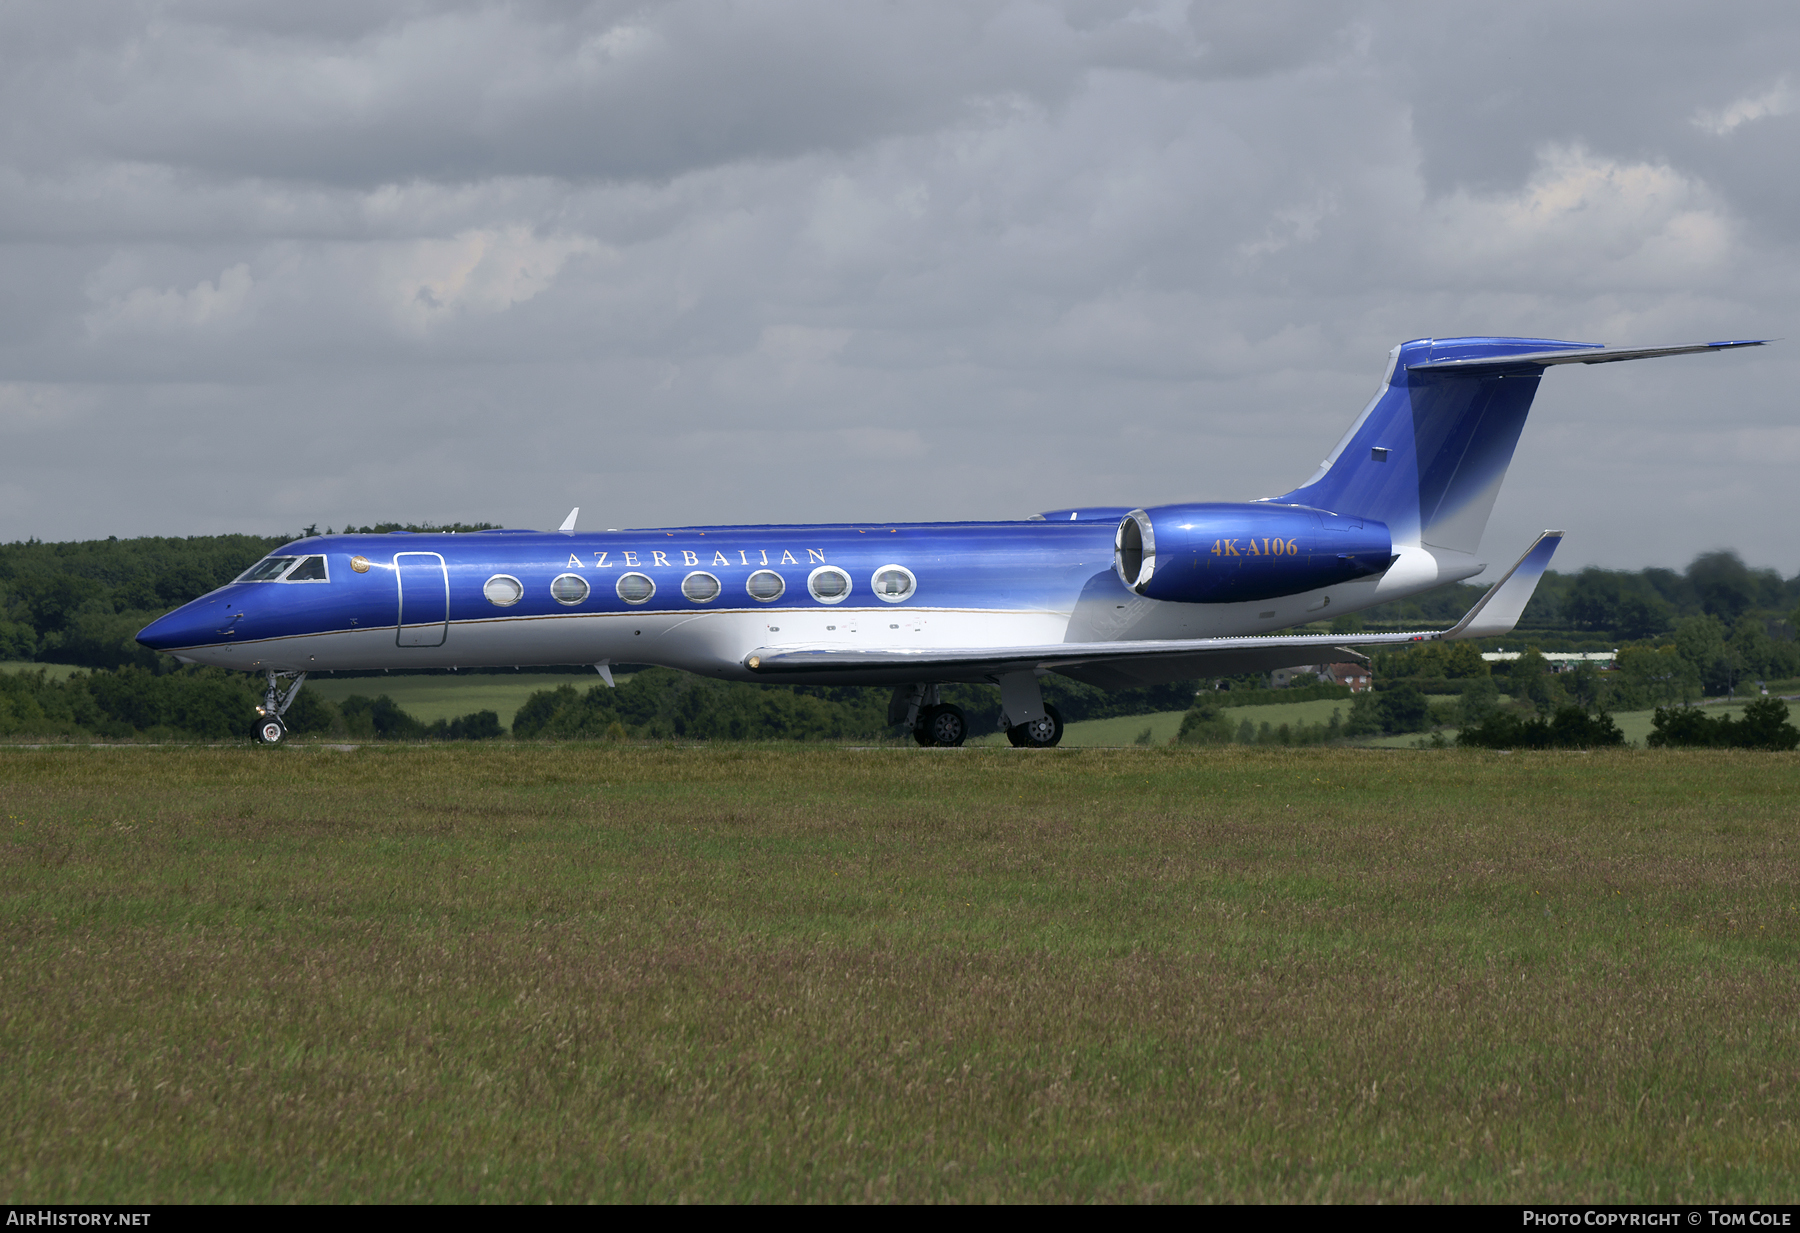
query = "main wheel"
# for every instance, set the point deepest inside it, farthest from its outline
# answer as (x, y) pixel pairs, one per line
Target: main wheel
(944, 726)
(1044, 732)
(922, 726)
(271, 731)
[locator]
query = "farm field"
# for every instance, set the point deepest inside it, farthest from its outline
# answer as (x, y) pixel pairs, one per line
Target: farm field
(448, 695)
(1635, 725)
(554, 972)
(54, 672)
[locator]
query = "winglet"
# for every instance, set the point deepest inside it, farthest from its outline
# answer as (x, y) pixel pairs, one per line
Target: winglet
(568, 526)
(1498, 611)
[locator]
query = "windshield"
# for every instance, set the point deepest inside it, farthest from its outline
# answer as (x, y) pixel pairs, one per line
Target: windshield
(266, 569)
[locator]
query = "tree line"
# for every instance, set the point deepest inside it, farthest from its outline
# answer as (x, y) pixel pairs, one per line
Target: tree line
(83, 602)
(1712, 628)
(201, 704)
(1624, 605)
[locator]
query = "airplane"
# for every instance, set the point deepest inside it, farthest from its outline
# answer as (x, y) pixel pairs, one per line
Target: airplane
(1114, 596)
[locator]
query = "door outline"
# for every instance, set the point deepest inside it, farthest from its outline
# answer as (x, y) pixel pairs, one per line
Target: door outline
(434, 630)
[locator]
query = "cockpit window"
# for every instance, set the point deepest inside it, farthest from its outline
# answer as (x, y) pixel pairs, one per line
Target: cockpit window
(266, 570)
(271, 569)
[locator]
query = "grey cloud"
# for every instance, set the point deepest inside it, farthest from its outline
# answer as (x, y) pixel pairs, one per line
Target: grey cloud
(607, 91)
(1621, 78)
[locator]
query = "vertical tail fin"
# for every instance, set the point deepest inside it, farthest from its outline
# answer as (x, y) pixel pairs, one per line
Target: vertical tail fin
(1428, 453)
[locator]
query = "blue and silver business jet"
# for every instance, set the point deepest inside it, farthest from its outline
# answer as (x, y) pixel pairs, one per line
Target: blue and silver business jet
(1116, 597)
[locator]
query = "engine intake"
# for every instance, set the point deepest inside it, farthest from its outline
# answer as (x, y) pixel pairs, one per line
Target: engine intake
(1224, 554)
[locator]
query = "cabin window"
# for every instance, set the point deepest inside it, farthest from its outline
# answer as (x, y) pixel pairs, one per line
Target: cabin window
(569, 589)
(765, 586)
(701, 587)
(828, 584)
(894, 583)
(503, 590)
(267, 570)
(636, 588)
(310, 569)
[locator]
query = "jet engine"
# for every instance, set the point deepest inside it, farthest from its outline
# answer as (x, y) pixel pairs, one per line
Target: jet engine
(1224, 554)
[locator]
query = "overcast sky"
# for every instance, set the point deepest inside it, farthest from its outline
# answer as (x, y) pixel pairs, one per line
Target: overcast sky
(279, 264)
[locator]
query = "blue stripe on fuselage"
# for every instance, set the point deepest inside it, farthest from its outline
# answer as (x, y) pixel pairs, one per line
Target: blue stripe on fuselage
(1013, 566)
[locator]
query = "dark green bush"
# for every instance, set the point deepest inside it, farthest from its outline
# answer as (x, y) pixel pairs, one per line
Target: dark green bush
(1765, 725)
(1570, 728)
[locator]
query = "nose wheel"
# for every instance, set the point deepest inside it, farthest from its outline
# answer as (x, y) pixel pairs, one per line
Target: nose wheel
(269, 729)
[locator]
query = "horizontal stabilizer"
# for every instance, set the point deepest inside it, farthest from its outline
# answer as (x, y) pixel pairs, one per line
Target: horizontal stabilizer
(1584, 355)
(1496, 612)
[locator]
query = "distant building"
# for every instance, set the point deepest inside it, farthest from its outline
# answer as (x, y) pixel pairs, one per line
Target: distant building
(1356, 676)
(1560, 661)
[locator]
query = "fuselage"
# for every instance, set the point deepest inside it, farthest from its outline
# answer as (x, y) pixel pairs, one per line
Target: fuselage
(704, 598)
(1396, 508)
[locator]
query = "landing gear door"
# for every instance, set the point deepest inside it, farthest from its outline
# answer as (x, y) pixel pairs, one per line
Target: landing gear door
(424, 598)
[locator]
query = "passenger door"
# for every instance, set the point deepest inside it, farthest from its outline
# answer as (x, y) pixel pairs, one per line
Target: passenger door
(424, 618)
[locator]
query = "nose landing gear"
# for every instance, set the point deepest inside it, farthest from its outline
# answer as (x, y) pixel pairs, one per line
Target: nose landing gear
(270, 730)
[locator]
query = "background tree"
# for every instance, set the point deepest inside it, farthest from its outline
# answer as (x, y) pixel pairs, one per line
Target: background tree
(1724, 585)
(1654, 676)
(1532, 682)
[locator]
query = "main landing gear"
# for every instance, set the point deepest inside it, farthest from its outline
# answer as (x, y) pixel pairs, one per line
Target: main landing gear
(269, 728)
(1044, 732)
(933, 723)
(937, 723)
(942, 725)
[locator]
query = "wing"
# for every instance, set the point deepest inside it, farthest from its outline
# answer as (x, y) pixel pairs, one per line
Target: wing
(1117, 665)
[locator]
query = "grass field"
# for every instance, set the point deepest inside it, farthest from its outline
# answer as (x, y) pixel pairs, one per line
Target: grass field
(524, 973)
(54, 672)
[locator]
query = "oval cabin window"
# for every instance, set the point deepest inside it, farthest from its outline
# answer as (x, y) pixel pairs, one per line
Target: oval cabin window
(894, 583)
(828, 584)
(702, 588)
(636, 588)
(569, 589)
(765, 586)
(503, 590)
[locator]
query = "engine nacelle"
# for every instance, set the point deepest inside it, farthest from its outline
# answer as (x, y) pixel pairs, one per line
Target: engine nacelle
(1226, 554)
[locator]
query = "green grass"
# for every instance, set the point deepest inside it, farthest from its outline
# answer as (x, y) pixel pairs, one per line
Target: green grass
(529, 973)
(1317, 711)
(450, 695)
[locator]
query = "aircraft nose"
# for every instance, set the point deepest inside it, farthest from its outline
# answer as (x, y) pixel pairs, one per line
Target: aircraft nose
(192, 624)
